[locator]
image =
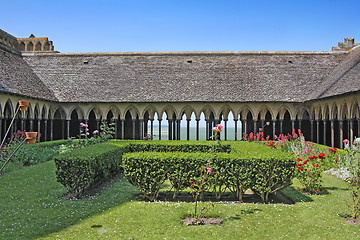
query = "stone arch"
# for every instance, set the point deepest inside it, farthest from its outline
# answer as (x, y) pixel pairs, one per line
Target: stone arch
(354, 109)
(37, 46)
(151, 111)
(344, 113)
(98, 113)
(22, 46)
(8, 112)
(131, 123)
(114, 110)
(47, 46)
(58, 123)
(29, 46)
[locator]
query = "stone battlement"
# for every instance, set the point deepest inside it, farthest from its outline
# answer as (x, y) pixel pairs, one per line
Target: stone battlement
(36, 44)
(348, 44)
(8, 42)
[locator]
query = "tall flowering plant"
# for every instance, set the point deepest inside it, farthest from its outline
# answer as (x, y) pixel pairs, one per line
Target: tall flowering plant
(202, 183)
(351, 161)
(308, 163)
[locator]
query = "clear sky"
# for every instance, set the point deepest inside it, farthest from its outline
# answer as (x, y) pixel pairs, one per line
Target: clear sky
(184, 25)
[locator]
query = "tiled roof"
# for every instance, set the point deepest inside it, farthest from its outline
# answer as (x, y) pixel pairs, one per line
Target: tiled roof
(17, 77)
(344, 78)
(186, 76)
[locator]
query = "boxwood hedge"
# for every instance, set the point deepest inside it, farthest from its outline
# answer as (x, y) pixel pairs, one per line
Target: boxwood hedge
(147, 164)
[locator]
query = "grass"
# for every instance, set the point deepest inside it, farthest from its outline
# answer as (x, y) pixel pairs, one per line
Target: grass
(32, 207)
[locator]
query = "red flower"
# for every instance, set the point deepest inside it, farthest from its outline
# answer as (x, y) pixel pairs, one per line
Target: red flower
(321, 155)
(299, 160)
(316, 165)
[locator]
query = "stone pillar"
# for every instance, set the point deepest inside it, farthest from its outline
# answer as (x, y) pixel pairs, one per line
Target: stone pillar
(318, 130)
(324, 123)
(45, 130)
(274, 127)
(292, 124)
(243, 127)
(197, 129)
(207, 129)
(98, 124)
(116, 121)
(51, 129)
(141, 129)
(312, 131)
(160, 129)
(133, 128)
(255, 126)
(225, 127)
(63, 128)
(332, 122)
(341, 133)
(152, 127)
(188, 129)
(170, 129)
(31, 120)
(1, 118)
(351, 128)
(236, 128)
(122, 128)
(67, 128)
(178, 128)
(281, 126)
(39, 126)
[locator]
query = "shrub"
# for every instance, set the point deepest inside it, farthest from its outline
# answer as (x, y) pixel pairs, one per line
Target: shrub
(83, 168)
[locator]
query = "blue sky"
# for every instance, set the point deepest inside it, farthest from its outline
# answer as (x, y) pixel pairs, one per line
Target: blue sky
(186, 25)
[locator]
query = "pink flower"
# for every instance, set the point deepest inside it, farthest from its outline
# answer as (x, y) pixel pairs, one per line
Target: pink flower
(87, 133)
(346, 141)
(219, 126)
(95, 132)
(209, 169)
(81, 125)
(214, 129)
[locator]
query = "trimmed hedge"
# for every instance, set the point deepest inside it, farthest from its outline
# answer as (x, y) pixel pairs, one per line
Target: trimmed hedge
(252, 166)
(83, 168)
(177, 146)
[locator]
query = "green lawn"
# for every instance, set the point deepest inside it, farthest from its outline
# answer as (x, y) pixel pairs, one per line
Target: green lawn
(32, 207)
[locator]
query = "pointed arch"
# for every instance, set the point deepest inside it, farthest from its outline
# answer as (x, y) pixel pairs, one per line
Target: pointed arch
(96, 110)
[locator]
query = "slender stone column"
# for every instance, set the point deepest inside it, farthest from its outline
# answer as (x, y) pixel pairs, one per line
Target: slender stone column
(45, 130)
(31, 120)
(312, 131)
(292, 124)
(255, 126)
(133, 128)
(141, 129)
(236, 128)
(325, 129)
(116, 121)
(197, 129)
(122, 128)
(188, 129)
(318, 130)
(207, 129)
(332, 122)
(225, 121)
(170, 129)
(281, 126)
(243, 127)
(39, 126)
(159, 128)
(274, 128)
(152, 127)
(300, 120)
(1, 118)
(63, 128)
(351, 128)
(68, 128)
(51, 129)
(178, 122)
(98, 124)
(341, 131)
